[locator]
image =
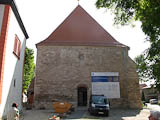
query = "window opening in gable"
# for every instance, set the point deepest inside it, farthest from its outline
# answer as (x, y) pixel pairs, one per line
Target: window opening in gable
(14, 83)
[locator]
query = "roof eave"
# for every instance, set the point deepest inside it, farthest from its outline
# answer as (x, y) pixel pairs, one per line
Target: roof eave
(17, 15)
(81, 44)
(5, 2)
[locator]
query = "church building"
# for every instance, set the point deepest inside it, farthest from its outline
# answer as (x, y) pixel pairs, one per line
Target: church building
(81, 58)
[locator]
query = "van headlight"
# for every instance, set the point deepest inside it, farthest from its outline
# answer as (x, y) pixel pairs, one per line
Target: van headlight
(93, 105)
(107, 106)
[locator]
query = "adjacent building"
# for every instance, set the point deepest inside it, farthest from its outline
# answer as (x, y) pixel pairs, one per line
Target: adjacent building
(78, 54)
(149, 92)
(13, 38)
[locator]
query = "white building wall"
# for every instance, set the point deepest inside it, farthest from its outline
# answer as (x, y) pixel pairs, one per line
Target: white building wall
(13, 70)
(1, 15)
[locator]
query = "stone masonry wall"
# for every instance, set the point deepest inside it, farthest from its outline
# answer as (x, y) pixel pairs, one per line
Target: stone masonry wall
(134, 96)
(61, 69)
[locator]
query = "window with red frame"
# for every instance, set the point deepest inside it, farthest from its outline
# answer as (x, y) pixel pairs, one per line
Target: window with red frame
(17, 47)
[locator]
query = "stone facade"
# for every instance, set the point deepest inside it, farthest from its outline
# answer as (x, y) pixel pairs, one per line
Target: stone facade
(61, 69)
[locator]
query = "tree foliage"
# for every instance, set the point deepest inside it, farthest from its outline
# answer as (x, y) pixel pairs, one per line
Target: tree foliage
(148, 70)
(143, 69)
(148, 13)
(29, 68)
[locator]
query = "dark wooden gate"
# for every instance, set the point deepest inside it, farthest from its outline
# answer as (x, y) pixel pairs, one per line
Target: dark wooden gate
(82, 96)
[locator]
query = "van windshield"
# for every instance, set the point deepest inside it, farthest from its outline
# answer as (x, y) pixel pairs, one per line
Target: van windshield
(99, 100)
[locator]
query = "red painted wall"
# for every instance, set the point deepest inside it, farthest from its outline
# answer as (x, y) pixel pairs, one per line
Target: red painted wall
(3, 42)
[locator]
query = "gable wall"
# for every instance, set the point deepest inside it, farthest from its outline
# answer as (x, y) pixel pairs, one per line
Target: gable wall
(61, 69)
(13, 68)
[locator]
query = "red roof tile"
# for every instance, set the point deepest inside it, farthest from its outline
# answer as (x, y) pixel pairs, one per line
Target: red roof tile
(142, 86)
(79, 28)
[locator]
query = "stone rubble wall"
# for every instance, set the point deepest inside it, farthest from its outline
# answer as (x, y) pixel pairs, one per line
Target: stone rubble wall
(61, 69)
(134, 97)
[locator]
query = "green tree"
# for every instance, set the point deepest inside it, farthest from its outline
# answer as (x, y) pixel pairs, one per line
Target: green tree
(148, 71)
(148, 13)
(142, 68)
(29, 68)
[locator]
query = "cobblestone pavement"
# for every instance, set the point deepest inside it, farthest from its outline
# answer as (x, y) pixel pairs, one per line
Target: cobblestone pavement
(115, 114)
(153, 107)
(118, 114)
(36, 114)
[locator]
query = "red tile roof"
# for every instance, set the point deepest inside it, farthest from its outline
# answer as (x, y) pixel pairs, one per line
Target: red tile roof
(80, 29)
(142, 86)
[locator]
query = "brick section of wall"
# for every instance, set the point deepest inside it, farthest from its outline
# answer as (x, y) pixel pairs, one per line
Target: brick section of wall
(3, 41)
(61, 69)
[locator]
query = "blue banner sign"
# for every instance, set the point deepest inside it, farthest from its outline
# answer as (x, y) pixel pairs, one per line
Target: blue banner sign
(105, 78)
(100, 79)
